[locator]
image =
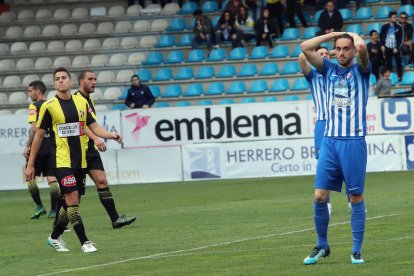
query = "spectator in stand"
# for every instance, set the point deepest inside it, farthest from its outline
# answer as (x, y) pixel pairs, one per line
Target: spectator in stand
(295, 7)
(375, 53)
(139, 95)
(407, 47)
(330, 19)
(275, 9)
(244, 26)
(202, 31)
(265, 29)
(225, 28)
(405, 2)
(252, 8)
(233, 6)
(391, 39)
(383, 86)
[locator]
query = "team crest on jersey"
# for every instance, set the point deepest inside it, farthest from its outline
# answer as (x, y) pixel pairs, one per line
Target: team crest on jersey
(81, 113)
(349, 75)
(68, 181)
(32, 112)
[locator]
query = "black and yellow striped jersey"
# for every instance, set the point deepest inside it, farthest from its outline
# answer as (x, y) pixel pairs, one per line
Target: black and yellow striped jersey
(33, 116)
(91, 144)
(68, 120)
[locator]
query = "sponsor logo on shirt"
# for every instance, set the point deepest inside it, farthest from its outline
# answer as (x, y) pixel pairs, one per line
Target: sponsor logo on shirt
(68, 181)
(71, 129)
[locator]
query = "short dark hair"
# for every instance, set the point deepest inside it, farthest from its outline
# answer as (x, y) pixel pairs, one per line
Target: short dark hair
(346, 36)
(391, 13)
(197, 12)
(82, 74)
(384, 69)
(61, 69)
(38, 85)
(135, 76)
(404, 13)
(321, 47)
(372, 31)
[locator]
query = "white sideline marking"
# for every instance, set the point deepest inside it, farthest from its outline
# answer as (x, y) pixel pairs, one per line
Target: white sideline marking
(172, 253)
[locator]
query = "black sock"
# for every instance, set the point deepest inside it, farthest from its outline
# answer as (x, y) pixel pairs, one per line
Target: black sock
(76, 220)
(62, 222)
(105, 196)
(54, 195)
(34, 192)
(59, 204)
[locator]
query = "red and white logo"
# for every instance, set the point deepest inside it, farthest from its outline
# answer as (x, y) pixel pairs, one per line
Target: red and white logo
(69, 181)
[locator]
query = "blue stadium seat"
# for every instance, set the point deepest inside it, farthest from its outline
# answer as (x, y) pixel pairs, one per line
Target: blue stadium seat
(310, 32)
(163, 74)
(144, 74)
(193, 90)
(290, 34)
(119, 107)
(209, 6)
(196, 55)
(346, 14)
(248, 70)
(154, 58)
(175, 57)
(217, 55)
(270, 99)
(309, 97)
(172, 91)
(226, 71)
(291, 98)
(300, 84)
(409, 9)
(373, 26)
(280, 85)
(248, 100)
(224, 5)
(316, 16)
(215, 88)
(184, 73)
(280, 51)
(290, 67)
(327, 45)
(383, 12)
(205, 102)
(408, 78)
(394, 79)
(297, 51)
(372, 79)
(165, 41)
(155, 90)
(177, 25)
(161, 104)
(185, 40)
(124, 93)
(188, 8)
(269, 69)
(236, 87)
(363, 13)
(354, 28)
(258, 86)
(226, 101)
(238, 53)
(214, 20)
(259, 52)
(183, 104)
(205, 72)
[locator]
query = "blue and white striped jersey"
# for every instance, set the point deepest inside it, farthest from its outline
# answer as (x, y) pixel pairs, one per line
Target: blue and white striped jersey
(347, 97)
(317, 87)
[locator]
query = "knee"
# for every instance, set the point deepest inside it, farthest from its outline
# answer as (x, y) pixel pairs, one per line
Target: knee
(101, 183)
(356, 198)
(321, 196)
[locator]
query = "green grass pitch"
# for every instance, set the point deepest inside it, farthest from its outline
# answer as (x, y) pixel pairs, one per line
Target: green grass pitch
(225, 227)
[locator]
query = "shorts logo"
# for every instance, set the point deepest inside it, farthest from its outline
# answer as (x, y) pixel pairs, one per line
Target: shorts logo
(396, 114)
(205, 163)
(68, 181)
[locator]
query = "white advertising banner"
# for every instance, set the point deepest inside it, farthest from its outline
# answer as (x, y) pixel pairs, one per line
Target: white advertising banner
(277, 158)
(200, 124)
(14, 131)
(111, 121)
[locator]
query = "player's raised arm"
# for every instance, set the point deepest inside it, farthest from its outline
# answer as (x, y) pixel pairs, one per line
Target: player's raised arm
(362, 56)
(304, 65)
(309, 46)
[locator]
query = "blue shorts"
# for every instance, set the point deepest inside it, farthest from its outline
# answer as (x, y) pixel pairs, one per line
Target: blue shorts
(318, 136)
(342, 159)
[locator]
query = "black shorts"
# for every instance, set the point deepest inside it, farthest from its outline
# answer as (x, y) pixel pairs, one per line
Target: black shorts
(43, 165)
(71, 180)
(94, 161)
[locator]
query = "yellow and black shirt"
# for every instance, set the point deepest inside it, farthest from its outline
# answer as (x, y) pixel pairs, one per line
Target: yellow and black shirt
(33, 116)
(68, 120)
(91, 144)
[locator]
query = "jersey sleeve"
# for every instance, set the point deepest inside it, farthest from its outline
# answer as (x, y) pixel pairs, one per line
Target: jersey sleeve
(90, 115)
(32, 116)
(309, 77)
(366, 73)
(45, 118)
